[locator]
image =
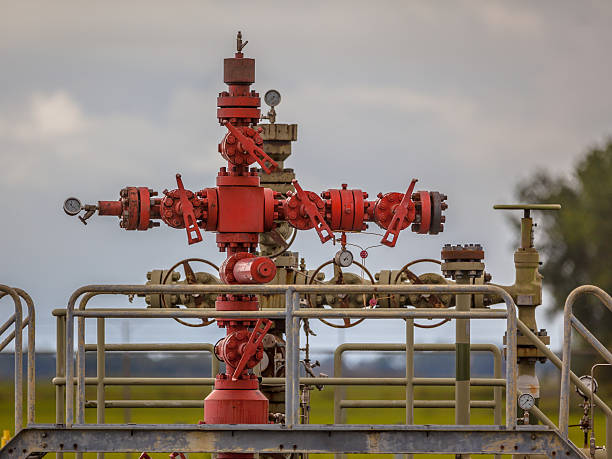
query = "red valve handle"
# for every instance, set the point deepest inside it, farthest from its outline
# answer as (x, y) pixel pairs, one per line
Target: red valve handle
(399, 214)
(320, 225)
(254, 151)
(191, 225)
(251, 346)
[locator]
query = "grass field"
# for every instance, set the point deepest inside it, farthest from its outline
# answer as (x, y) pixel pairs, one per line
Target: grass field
(321, 413)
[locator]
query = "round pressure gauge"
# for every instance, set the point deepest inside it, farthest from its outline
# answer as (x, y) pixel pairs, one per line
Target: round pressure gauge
(343, 258)
(591, 383)
(526, 402)
(72, 206)
(272, 98)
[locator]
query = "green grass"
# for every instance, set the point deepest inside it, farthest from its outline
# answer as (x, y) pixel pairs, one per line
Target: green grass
(321, 412)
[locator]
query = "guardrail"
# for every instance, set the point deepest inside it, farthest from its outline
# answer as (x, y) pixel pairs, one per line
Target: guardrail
(570, 321)
(292, 315)
(16, 335)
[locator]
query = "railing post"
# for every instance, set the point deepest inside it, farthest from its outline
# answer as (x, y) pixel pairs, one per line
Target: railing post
(511, 362)
(409, 353)
(100, 373)
(60, 366)
(292, 364)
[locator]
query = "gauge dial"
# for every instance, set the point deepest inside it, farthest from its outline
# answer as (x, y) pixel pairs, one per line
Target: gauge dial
(344, 258)
(72, 206)
(591, 383)
(526, 402)
(272, 97)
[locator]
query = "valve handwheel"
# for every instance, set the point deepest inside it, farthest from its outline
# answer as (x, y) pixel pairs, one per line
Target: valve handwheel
(346, 320)
(434, 300)
(191, 279)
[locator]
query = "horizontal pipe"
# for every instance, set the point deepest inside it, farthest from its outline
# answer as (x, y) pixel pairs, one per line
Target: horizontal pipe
(147, 404)
(135, 289)
(187, 312)
(112, 381)
(417, 404)
(207, 347)
(304, 313)
(399, 313)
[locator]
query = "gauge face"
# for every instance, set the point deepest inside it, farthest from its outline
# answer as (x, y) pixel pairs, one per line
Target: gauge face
(344, 258)
(272, 97)
(72, 206)
(591, 383)
(526, 402)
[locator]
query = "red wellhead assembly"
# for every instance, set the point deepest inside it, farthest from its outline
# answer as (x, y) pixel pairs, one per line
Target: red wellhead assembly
(238, 209)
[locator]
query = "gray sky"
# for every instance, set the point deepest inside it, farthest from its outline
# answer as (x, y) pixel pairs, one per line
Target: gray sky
(468, 97)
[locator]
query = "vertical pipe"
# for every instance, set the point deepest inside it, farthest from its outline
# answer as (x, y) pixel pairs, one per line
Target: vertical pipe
(69, 366)
(462, 359)
(291, 373)
(60, 362)
(497, 391)
(295, 382)
(511, 360)
(339, 393)
(100, 373)
(565, 369)
(409, 375)
(80, 408)
(31, 322)
(608, 436)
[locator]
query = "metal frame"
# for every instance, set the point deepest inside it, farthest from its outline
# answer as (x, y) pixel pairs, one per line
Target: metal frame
(290, 437)
(292, 315)
(496, 382)
(16, 335)
(275, 438)
(570, 321)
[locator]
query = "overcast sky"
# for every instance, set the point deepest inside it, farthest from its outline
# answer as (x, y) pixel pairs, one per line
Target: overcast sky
(468, 97)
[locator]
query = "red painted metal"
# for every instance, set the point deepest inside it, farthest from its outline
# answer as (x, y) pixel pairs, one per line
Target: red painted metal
(238, 209)
(403, 215)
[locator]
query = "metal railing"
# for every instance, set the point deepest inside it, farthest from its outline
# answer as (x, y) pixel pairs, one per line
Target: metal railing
(497, 382)
(16, 335)
(292, 315)
(570, 321)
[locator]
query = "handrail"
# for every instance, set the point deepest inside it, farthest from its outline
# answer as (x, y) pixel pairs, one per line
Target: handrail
(292, 317)
(568, 321)
(18, 357)
(30, 322)
(419, 347)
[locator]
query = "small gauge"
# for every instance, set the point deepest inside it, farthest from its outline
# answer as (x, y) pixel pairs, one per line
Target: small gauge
(272, 97)
(591, 383)
(526, 402)
(72, 206)
(344, 258)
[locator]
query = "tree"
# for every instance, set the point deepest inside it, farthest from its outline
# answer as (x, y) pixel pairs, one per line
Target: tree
(576, 242)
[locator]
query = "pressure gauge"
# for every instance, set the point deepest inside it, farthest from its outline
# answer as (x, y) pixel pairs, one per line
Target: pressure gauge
(344, 258)
(591, 383)
(526, 402)
(272, 97)
(72, 206)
